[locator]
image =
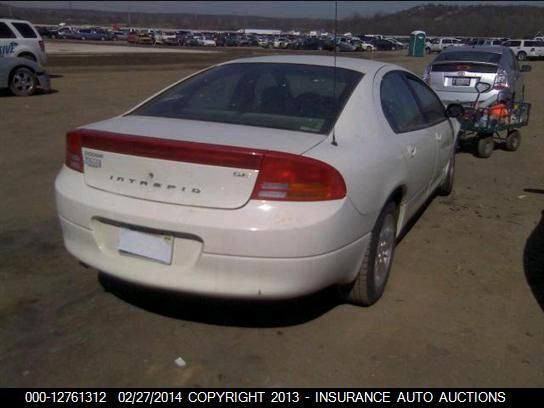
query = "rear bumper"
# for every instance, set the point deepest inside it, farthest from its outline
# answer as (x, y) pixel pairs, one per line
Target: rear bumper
(263, 250)
(468, 98)
(216, 275)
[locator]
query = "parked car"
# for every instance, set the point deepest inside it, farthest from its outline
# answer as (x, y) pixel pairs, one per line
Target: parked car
(60, 33)
(92, 34)
(344, 46)
(45, 32)
(491, 41)
(383, 45)
(19, 38)
(166, 38)
(439, 44)
(313, 43)
(120, 35)
(525, 49)
(22, 76)
(255, 179)
(281, 42)
(361, 45)
(398, 45)
(142, 38)
(455, 72)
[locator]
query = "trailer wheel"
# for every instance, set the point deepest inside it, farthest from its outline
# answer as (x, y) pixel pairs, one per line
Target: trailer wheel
(485, 146)
(513, 140)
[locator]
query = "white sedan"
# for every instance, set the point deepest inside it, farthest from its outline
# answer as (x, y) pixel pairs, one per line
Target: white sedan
(259, 178)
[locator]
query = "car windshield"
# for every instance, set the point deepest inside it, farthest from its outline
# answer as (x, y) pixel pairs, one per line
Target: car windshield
(282, 96)
(470, 56)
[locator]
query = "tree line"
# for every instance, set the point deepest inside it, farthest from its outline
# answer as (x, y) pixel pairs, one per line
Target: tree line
(473, 20)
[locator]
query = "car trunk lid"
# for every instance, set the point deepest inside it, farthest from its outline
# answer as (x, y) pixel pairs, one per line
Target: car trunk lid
(182, 161)
(461, 76)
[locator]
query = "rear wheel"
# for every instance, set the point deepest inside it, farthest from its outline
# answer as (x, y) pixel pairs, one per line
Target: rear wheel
(522, 56)
(23, 82)
(374, 271)
(485, 146)
(513, 140)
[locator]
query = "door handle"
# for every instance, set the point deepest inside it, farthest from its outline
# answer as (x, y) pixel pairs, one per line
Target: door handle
(411, 151)
(438, 136)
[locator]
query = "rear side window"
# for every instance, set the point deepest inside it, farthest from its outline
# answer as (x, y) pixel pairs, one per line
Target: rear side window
(5, 31)
(429, 103)
(399, 104)
(512, 43)
(25, 30)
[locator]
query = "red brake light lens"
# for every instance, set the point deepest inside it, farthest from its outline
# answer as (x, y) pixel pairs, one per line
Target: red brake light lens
(74, 157)
(288, 177)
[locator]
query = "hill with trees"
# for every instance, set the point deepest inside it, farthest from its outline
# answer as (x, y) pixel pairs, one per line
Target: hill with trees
(435, 19)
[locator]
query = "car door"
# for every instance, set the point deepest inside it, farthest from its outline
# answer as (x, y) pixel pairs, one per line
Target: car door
(438, 126)
(515, 75)
(408, 128)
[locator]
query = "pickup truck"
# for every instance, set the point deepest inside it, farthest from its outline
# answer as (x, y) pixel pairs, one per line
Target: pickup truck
(438, 44)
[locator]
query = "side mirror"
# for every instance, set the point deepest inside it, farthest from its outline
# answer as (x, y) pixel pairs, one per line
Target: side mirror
(525, 68)
(454, 110)
(482, 87)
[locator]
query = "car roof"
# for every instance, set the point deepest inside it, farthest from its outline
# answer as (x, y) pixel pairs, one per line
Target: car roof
(496, 49)
(355, 64)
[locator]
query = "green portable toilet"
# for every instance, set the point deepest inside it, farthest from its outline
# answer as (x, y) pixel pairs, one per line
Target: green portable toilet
(417, 44)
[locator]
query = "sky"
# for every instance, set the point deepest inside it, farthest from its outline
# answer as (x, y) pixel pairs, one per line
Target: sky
(312, 9)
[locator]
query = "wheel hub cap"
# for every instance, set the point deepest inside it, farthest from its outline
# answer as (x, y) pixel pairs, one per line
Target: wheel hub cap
(384, 250)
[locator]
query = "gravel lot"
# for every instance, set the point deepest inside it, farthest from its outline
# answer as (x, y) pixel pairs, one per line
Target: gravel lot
(464, 306)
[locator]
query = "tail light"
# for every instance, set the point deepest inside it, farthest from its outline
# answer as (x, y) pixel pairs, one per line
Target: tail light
(74, 157)
(288, 177)
(427, 75)
(282, 176)
(501, 80)
(42, 45)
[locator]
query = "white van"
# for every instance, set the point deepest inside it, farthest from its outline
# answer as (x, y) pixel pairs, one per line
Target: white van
(19, 38)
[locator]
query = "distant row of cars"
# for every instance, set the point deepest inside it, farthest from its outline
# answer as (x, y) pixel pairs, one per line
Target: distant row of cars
(522, 48)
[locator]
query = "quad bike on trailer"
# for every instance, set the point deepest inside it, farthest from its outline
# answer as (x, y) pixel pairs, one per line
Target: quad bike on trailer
(484, 128)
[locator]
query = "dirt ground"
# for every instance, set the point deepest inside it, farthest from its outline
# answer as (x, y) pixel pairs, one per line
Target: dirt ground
(464, 305)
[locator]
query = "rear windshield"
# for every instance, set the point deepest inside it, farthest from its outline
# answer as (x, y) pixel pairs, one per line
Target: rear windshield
(299, 97)
(470, 56)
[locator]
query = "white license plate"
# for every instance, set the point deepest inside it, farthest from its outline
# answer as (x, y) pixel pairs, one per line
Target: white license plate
(151, 246)
(461, 81)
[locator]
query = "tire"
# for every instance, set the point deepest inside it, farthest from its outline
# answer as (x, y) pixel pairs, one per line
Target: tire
(522, 56)
(485, 147)
(373, 273)
(22, 82)
(446, 187)
(513, 141)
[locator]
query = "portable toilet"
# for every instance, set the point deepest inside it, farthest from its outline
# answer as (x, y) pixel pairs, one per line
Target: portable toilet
(417, 44)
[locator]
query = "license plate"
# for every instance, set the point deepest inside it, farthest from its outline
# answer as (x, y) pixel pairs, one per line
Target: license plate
(461, 81)
(156, 247)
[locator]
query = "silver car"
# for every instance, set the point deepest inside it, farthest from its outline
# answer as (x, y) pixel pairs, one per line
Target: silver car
(455, 72)
(22, 76)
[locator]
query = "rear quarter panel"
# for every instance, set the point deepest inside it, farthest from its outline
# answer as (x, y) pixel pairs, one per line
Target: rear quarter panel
(370, 162)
